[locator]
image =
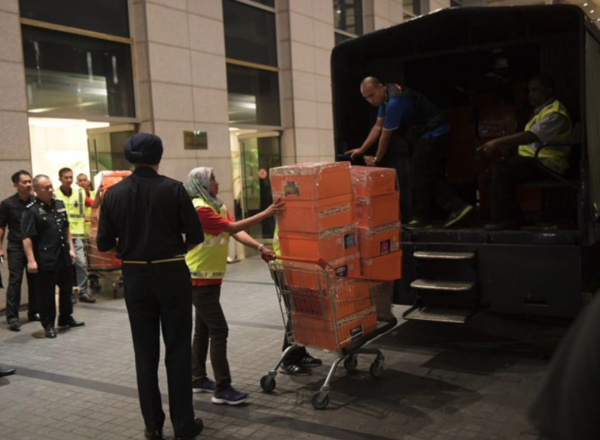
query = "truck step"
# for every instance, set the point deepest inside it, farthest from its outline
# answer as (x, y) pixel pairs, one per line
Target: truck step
(438, 314)
(452, 286)
(432, 255)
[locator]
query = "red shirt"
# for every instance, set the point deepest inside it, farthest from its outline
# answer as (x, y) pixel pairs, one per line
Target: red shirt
(213, 224)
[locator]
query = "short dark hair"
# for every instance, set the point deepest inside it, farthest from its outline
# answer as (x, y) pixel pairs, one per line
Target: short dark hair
(37, 178)
(63, 171)
(17, 176)
(370, 80)
(545, 80)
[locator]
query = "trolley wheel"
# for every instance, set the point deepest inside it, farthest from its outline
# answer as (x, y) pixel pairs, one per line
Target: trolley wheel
(350, 363)
(376, 368)
(319, 402)
(267, 383)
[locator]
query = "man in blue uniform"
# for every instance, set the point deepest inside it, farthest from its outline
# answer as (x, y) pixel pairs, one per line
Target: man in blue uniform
(144, 216)
(50, 255)
(406, 116)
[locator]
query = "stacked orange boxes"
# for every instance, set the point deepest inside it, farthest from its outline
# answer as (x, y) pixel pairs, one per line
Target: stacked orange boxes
(319, 221)
(378, 216)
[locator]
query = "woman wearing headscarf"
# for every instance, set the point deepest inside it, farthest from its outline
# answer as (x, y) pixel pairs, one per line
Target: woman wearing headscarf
(207, 263)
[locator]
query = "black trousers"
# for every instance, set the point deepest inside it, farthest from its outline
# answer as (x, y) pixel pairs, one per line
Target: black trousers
(160, 296)
(296, 354)
(397, 158)
(427, 175)
(211, 330)
(506, 175)
(17, 265)
(46, 282)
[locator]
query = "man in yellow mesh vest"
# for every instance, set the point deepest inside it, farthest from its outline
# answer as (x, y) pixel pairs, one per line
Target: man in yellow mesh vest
(550, 123)
(75, 204)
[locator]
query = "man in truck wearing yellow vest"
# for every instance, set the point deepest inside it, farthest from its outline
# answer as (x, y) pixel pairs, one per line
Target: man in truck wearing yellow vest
(75, 203)
(550, 123)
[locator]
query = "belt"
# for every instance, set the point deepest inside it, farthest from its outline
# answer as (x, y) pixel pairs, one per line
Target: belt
(167, 260)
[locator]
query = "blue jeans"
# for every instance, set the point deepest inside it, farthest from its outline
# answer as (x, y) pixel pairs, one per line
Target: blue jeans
(81, 272)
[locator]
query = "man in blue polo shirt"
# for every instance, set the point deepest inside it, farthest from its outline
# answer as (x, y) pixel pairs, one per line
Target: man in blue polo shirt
(407, 116)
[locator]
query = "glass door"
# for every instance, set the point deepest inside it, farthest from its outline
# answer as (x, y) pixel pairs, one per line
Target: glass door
(105, 147)
(259, 152)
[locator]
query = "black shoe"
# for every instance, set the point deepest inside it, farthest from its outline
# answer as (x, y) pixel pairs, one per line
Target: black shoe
(154, 434)
(70, 322)
(14, 326)
(458, 215)
(310, 361)
(196, 430)
(87, 299)
(50, 332)
(295, 370)
(502, 225)
(34, 317)
(7, 372)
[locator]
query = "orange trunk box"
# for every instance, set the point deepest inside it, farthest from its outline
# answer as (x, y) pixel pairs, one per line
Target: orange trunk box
(384, 268)
(381, 240)
(377, 211)
(318, 215)
(329, 245)
(304, 275)
(311, 181)
(350, 297)
(333, 335)
(373, 181)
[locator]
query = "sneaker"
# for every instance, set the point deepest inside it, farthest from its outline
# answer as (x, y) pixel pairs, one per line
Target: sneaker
(310, 361)
(87, 299)
(295, 370)
(229, 396)
(416, 224)
(458, 215)
(203, 385)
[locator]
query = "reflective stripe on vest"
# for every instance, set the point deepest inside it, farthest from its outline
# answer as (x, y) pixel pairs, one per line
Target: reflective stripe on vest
(276, 247)
(558, 157)
(75, 206)
(208, 260)
(88, 215)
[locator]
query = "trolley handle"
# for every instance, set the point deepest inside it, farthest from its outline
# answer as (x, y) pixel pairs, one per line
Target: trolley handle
(320, 262)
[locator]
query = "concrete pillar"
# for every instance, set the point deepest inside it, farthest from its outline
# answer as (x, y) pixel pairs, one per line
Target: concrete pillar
(305, 40)
(180, 53)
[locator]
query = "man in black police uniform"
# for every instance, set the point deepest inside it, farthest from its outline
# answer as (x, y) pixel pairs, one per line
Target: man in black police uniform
(145, 216)
(50, 255)
(11, 211)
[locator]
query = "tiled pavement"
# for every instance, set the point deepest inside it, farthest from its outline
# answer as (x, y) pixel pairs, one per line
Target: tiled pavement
(441, 382)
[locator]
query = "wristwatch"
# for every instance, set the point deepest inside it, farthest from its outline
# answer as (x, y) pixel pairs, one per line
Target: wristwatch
(374, 160)
(260, 247)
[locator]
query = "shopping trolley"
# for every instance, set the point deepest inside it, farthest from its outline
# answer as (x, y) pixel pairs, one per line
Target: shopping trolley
(327, 311)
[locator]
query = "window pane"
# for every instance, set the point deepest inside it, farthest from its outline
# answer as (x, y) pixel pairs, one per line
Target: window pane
(253, 96)
(249, 33)
(108, 17)
(347, 16)
(270, 3)
(78, 75)
(412, 6)
(340, 38)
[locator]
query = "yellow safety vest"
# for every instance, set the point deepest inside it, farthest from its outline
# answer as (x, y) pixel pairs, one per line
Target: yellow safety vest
(559, 157)
(209, 259)
(88, 215)
(75, 206)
